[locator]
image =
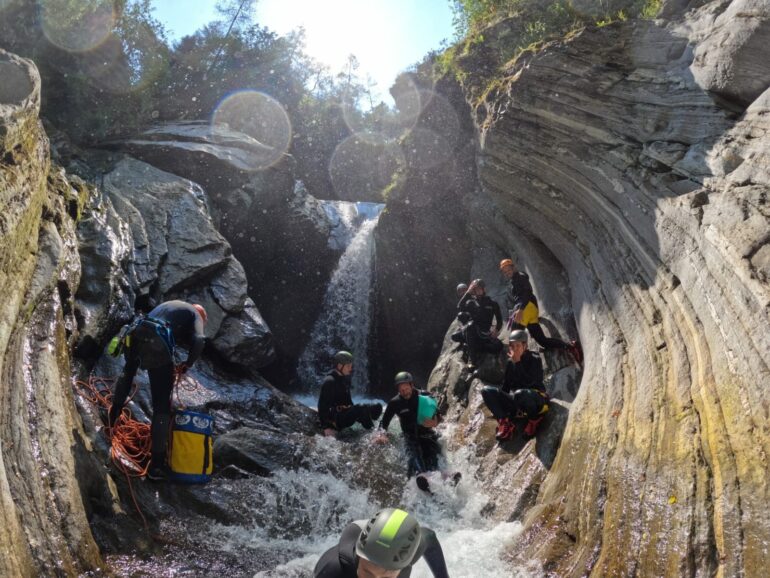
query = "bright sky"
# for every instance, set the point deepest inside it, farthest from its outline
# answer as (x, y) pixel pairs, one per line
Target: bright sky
(385, 35)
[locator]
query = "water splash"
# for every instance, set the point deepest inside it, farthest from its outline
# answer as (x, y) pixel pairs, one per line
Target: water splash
(344, 319)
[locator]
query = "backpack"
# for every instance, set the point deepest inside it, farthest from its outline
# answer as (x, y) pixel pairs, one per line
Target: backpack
(191, 447)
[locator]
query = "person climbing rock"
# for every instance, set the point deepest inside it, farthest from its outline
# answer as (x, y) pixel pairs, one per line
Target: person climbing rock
(422, 446)
(524, 313)
(336, 409)
(463, 317)
(524, 377)
(480, 336)
(385, 546)
(150, 344)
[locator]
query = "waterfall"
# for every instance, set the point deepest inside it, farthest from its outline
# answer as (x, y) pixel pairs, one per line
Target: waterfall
(344, 319)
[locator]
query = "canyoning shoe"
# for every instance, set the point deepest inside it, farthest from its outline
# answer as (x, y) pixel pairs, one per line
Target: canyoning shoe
(505, 429)
(455, 479)
(157, 473)
(531, 428)
(576, 351)
(423, 483)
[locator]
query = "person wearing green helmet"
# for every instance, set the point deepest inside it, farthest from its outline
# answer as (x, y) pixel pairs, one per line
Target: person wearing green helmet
(385, 546)
(422, 446)
(336, 409)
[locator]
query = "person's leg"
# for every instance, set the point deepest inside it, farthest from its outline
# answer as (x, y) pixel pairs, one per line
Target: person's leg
(500, 404)
(473, 341)
(415, 464)
(536, 331)
(431, 450)
(161, 387)
(122, 389)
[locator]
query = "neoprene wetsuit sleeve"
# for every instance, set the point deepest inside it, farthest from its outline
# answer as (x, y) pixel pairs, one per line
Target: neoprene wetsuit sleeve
(433, 554)
(324, 404)
(197, 342)
(533, 371)
(498, 316)
(390, 411)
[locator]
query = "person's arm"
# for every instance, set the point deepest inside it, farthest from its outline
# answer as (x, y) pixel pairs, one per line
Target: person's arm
(498, 316)
(324, 404)
(390, 411)
(430, 549)
(507, 378)
(197, 342)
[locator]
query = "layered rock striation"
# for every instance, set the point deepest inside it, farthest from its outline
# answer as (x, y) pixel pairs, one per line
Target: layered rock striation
(638, 155)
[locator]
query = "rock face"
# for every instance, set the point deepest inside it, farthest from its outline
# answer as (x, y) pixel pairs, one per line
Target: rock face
(279, 233)
(614, 150)
(42, 460)
(150, 235)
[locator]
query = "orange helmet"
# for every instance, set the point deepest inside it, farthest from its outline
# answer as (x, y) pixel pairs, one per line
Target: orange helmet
(505, 263)
(201, 311)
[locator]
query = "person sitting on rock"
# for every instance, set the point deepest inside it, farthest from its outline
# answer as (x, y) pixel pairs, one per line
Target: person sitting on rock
(480, 337)
(336, 409)
(418, 426)
(523, 377)
(385, 546)
(524, 313)
(150, 345)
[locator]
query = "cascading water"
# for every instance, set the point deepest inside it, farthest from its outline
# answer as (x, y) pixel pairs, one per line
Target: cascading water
(344, 319)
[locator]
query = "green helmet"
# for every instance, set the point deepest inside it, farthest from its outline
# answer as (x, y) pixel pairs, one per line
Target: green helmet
(403, 377)
(343, 358)
(390, 539)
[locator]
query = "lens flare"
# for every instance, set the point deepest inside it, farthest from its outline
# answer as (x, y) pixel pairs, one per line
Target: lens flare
(363, 165)
(77, 26)
(108, 67)
(258, 123)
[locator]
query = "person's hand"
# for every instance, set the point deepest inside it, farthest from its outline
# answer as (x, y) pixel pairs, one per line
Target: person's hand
(494, 332)
(329, 432)
(518, 315)
(182, 368)
(432, 422)
(381, 438)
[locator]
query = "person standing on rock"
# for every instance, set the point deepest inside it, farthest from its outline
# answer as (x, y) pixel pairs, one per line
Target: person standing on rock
(480, 336)
(385, 546)
(336, 409)
(523, 377)
(422, 446)
(150, 344)
(524, 313)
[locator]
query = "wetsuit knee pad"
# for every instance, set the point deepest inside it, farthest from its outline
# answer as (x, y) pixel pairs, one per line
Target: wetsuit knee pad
(531, 314)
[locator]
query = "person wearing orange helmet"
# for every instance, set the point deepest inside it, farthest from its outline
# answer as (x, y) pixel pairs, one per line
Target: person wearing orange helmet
(150, 344)
(524, 312)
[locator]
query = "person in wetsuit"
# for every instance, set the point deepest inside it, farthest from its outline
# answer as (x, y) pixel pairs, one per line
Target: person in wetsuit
(524, 312)
(480, 337)
(336, 409)
(150, 345)
(522, 394)
(386, 546)
(422, 446)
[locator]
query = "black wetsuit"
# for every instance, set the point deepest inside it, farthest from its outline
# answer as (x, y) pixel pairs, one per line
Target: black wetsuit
(522, 392)
(422, 444)
(335, 405)
(341, 561)
(149, 350)
(518, 296)
(482, 311)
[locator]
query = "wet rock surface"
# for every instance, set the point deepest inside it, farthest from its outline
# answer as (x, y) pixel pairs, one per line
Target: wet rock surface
(617, 151)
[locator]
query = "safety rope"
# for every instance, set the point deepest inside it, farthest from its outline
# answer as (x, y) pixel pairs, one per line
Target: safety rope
(130, 439)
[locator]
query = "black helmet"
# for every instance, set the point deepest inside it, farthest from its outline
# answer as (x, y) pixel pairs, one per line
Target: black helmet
(343, 358)
(390, 539)
(480, 283)
(518, 335)
(403, 377)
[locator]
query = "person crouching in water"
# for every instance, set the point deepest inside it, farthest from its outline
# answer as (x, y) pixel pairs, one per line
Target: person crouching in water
(422, 447)
(524, 378)
(152, 344)
(336, 409)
